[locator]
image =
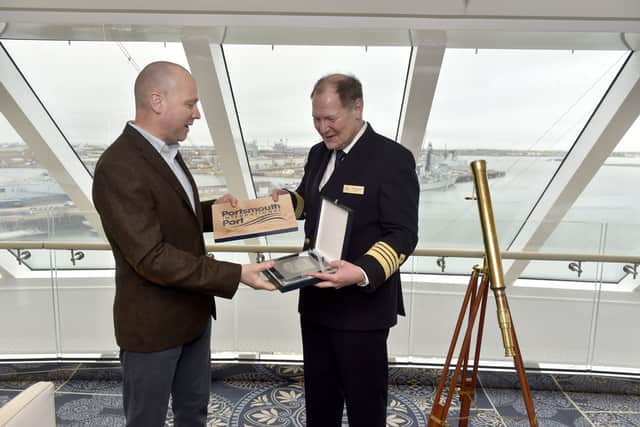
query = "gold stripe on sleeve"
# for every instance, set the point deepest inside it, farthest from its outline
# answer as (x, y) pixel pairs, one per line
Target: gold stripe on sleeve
(391, 253)
(299, 204)
(386, 257)
(384, 263)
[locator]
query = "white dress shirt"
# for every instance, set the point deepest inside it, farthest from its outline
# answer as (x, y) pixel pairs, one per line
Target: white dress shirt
(169, 153)
(331, 166)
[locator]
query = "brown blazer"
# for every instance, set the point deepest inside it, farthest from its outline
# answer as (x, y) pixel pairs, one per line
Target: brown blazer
(165, 283)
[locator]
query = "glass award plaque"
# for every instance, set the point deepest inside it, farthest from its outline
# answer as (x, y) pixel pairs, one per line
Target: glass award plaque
(291, 272)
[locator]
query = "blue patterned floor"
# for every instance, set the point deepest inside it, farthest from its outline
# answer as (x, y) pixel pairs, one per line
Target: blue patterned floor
(250, 395)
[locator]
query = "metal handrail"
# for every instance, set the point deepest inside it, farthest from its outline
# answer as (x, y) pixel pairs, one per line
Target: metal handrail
(432, 252)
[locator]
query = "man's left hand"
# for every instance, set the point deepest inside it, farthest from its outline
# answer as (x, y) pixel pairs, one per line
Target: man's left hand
(227, 198)
(346, 274)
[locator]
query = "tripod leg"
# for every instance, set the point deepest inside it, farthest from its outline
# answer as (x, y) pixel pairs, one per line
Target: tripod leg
(438, 411)
(468, 384)
(466, 397)
(524, 382)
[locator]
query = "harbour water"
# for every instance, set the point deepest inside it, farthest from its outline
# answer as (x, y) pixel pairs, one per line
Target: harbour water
(447, 219)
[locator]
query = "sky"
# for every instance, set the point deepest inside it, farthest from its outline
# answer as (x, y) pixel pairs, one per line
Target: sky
(501, 99)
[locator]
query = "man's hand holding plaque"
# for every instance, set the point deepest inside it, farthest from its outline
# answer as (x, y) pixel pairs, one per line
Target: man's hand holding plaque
(345, 274)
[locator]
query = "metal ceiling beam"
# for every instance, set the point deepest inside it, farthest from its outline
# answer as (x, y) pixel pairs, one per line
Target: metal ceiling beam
(283, 29)
(612, 9)
(208, 68)
(424, 69)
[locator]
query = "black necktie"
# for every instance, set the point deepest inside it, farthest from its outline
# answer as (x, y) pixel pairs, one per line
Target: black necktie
(340, 156)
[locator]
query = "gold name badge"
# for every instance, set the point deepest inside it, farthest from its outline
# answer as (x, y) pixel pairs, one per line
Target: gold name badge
(353, 189)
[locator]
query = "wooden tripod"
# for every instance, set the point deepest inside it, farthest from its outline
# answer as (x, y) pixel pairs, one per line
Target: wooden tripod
(475, 300)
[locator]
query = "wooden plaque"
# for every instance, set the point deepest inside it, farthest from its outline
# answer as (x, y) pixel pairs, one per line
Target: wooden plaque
(252, 218)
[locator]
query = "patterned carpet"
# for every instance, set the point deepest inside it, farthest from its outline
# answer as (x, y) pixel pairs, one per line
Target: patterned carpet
(249, 395)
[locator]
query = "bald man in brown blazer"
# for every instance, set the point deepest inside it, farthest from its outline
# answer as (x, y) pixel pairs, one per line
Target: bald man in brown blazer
(165, 282)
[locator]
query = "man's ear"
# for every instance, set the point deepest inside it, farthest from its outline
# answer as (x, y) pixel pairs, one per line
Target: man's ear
(156, 102)
(358, 106)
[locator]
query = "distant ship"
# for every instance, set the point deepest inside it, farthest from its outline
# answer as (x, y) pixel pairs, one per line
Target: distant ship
(491, 173)
(33, 206)
(434, 182)
(433, 178)
(32, 191)
(441, 172)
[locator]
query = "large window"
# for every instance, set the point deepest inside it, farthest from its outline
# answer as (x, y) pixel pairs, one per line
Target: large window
(91, 108)
(275, 108)
(29, 196)
(33, 207)
(611, 204)
(521, 111)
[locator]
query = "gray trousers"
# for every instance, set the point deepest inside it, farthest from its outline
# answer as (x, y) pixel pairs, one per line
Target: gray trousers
(184, 372)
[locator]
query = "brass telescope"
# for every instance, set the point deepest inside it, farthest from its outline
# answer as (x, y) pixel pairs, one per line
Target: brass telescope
(492, 253)
(464, 378)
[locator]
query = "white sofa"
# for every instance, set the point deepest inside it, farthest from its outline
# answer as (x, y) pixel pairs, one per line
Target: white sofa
(33, 407)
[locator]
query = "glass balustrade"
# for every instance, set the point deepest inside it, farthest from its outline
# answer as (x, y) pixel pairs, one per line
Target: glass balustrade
(56, 299)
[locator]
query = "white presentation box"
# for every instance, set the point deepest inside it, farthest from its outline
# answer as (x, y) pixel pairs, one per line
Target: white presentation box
(332, 233)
